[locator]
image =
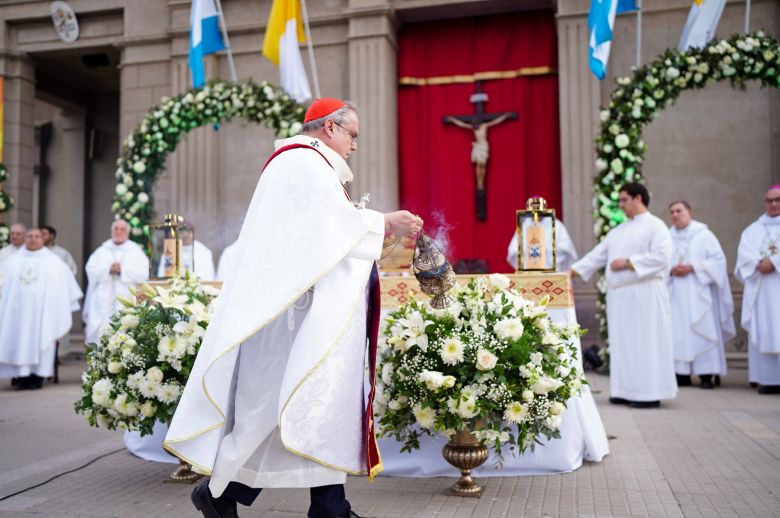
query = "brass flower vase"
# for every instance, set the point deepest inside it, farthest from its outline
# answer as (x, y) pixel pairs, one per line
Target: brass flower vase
(465, 453)
(433, 271)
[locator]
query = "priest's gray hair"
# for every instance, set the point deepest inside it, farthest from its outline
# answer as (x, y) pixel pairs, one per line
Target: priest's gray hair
(684, 204)
(120, 222)
(341, 116)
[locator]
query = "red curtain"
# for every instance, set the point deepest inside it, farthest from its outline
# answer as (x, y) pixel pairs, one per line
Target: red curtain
(437, 177)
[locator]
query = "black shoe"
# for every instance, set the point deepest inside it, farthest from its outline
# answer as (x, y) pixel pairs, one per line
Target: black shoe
(645, 404)
(769, 389)
(753, 384)
(619, 401)
(706, 381)
(207, 504)
(717, 380)
(684, 380)
(35, 382)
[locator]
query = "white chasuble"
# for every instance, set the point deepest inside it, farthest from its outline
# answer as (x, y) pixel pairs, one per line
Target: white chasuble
(103, 288)
(761, 298)
(640, 336)
(701, 302)
(38, 297)
(275, 398)
(565, 253)
(227, 262)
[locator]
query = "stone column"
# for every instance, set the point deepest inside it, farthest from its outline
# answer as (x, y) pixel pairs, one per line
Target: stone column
(372, 85)
(19, 133)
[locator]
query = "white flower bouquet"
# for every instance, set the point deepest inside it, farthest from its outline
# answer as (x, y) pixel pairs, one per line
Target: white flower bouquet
(493, 363)
(137, 370)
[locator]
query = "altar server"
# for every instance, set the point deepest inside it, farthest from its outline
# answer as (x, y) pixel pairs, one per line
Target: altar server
(38, 297)
(116, 265)
(700, 299)
(565, 253)
(636, 255)
(758, 268)
(275, 398)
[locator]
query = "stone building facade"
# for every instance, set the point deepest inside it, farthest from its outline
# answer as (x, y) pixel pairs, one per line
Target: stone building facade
(719, 148)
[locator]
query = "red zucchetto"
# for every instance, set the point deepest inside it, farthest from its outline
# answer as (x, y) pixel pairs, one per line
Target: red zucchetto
(322, 107)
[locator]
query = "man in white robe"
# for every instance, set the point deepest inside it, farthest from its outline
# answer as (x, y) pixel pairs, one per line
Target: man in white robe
(275, 398)
(18, 232)
(116, 265)
(227, 261)
(49, 236)
(636, 255)
(565, 253)
(38, 298)
(758, 268)
(700, 299)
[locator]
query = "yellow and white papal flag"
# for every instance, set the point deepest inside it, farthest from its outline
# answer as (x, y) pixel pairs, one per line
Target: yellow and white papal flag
(701, 24)
(281, 45)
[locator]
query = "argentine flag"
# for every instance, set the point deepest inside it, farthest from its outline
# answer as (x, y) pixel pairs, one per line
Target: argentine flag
(281, 45)
(601, 20)
(205, 37)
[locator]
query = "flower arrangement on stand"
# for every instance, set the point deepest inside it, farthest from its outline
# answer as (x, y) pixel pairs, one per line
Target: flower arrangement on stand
(493, 364)
(137, 371)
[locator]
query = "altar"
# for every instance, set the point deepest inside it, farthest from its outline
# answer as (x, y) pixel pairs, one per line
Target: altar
(582, 432)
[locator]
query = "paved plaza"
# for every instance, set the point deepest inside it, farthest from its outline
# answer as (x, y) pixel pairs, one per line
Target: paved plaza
(705, 454)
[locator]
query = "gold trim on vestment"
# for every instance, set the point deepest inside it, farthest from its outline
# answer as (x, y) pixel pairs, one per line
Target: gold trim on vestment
(479, 76)
(168, 442)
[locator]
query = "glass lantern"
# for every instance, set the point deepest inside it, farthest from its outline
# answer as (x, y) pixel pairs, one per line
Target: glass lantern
(165, 247)
(536, 237)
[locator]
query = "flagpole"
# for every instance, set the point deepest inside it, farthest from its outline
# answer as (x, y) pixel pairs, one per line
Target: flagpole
(639, 34)
(311, 50)
(747, 16)
(229, 50)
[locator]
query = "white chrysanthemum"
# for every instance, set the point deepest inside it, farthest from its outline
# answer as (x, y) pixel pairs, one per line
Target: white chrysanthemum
(486, 360)
(125, 407)
(101, 389)
(467, 408)
(516, 412)
(509, 328)
(148, 388)
(546, 384)
(425, 416)
(171, 347)
(452, 351)
(168, 393)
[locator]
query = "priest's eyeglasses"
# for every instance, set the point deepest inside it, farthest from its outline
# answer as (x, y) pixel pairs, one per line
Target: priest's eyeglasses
(772, 200)
(352, 134)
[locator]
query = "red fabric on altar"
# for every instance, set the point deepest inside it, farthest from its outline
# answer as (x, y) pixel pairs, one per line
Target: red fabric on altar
(437, 177)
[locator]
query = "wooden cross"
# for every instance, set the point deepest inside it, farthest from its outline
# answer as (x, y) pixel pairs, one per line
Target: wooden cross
(479, 123)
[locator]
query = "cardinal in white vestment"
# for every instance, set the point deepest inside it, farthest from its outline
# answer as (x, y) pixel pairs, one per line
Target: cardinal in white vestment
(275, 398)
(758, 268)
(17, 242)
(38, 297)
(636, 255)
(116, 265)
(700, 299)
(565, 253)
(227, 261)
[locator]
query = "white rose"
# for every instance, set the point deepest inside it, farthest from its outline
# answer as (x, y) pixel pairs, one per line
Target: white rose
(528, 396)
(120, 189)
(130, 321)
(114, 367)
(394, 405)
(553, 422)
(154, 375)
(557, 408)
(672, 73)
(601, 164)
(622, 141)
(604, 115)
(486, 360)
(545, 385)
(500, 281)
(148, 409)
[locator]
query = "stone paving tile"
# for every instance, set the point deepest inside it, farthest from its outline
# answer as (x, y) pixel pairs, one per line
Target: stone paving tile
(705, 454)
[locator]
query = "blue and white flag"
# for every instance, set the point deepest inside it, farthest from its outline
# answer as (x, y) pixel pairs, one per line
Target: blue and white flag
(601, 20)
(205, 37)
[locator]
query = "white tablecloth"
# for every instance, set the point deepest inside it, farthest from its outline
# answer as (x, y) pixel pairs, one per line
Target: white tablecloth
(582, 438)
(149, 447)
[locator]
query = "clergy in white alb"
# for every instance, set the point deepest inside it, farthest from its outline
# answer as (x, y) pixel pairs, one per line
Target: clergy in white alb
(37, 300)
(227, 261)
(700, 299)
(565, 253)
(115, 266)
(49, 237)
(275, 398)
(758, 268)
(636, 255)
(17, 242)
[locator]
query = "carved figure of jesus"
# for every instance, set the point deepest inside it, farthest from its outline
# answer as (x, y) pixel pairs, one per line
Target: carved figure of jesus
(480, 149)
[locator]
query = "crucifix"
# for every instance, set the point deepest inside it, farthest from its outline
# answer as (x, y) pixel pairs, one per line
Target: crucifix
(479, 123)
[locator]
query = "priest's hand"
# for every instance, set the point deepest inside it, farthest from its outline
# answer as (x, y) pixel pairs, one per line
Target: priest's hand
(403, 223)
(765, 266)
(681, 270)
(619, 264)
(573, 274)
(116, 269)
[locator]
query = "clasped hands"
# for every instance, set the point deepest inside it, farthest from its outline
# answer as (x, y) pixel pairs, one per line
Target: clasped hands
(681, 270)
(765, 265)
(116, 269)
(403, 223)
